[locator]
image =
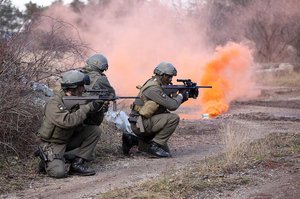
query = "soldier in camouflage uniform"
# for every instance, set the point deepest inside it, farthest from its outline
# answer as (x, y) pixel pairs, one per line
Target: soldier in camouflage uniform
(63, 130)
(95, 67)
(150, 117)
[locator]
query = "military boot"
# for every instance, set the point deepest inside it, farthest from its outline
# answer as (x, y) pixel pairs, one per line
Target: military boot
(79, 168)
(157, 150)
(166, 148)
(143, 146)
(128, 141)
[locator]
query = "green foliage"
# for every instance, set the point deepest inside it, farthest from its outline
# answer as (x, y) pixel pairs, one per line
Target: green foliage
(32, 10)
(10, 18)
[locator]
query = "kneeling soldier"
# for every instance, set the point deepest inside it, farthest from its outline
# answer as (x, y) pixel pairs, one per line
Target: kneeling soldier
(63, 130)
(150, 117)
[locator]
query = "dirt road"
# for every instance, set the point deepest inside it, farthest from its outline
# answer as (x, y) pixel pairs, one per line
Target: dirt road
(277, 110)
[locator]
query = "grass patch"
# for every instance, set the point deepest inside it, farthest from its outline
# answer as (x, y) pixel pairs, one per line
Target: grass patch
(222, 172)
(287, 79)
(17, 174)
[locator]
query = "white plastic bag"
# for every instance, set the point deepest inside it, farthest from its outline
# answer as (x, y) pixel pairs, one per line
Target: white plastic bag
(120, 119)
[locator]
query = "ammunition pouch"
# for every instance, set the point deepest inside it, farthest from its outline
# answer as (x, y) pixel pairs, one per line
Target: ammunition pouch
(148, 109)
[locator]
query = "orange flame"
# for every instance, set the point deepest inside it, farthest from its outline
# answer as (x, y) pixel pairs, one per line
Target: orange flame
(229, 74)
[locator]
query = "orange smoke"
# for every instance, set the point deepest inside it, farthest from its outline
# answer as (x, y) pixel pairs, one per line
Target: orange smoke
(135, 43)
(229, 73)
(149, 33)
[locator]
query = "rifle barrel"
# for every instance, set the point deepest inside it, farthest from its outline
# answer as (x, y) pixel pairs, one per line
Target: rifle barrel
(97, 97)
(126, 97)
(183, 87)
(96, 91)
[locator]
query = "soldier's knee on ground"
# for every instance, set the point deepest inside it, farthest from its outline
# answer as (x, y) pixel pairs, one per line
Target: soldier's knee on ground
(56, 168)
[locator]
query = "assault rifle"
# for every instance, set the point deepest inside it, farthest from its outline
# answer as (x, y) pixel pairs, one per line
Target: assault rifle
(188, 85)
(102, 95)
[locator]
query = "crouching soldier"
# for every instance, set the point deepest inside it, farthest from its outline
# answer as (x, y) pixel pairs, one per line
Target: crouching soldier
(95, 67)
(63, 130)
(150, 117)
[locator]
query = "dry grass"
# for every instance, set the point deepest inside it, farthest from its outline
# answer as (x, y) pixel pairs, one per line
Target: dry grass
(286, 79)
(222, 172)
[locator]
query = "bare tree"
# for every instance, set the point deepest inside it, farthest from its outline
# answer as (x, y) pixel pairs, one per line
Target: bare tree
(33, 54)
(272, 25)
(273, 30)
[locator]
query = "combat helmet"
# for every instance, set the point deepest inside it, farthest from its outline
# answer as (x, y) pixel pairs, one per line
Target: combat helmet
(165, 68)
(73, 79)
(97, 61)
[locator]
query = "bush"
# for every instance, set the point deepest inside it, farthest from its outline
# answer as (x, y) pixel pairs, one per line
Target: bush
(25, 60)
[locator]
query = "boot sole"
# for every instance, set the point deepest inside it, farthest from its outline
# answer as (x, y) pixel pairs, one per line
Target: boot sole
(81, 174)
(150, 155)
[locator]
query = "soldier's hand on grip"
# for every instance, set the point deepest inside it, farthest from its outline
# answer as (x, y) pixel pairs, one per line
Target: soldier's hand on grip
(185, 95)
(105, 107)
(96, 105)
(193, 93)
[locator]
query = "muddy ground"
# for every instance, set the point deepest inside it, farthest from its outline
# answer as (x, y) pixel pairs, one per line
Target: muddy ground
(277, 110)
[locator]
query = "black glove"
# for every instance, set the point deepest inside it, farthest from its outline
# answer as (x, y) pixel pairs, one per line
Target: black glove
(96, 105)
(193, 93)
(105, 107)
(185, 95)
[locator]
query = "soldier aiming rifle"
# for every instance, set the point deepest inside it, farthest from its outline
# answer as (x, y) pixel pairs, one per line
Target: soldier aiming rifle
(150, 117)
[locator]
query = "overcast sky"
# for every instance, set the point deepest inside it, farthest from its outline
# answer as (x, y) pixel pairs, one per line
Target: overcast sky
(21, 3)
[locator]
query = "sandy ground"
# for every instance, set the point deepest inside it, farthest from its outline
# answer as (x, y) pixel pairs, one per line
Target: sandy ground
(277, 110)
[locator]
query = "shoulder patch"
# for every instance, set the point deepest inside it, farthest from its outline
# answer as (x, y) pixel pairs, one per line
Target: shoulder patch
(61, 107)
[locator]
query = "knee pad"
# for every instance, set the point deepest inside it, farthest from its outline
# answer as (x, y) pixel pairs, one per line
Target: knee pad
(56, 168)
